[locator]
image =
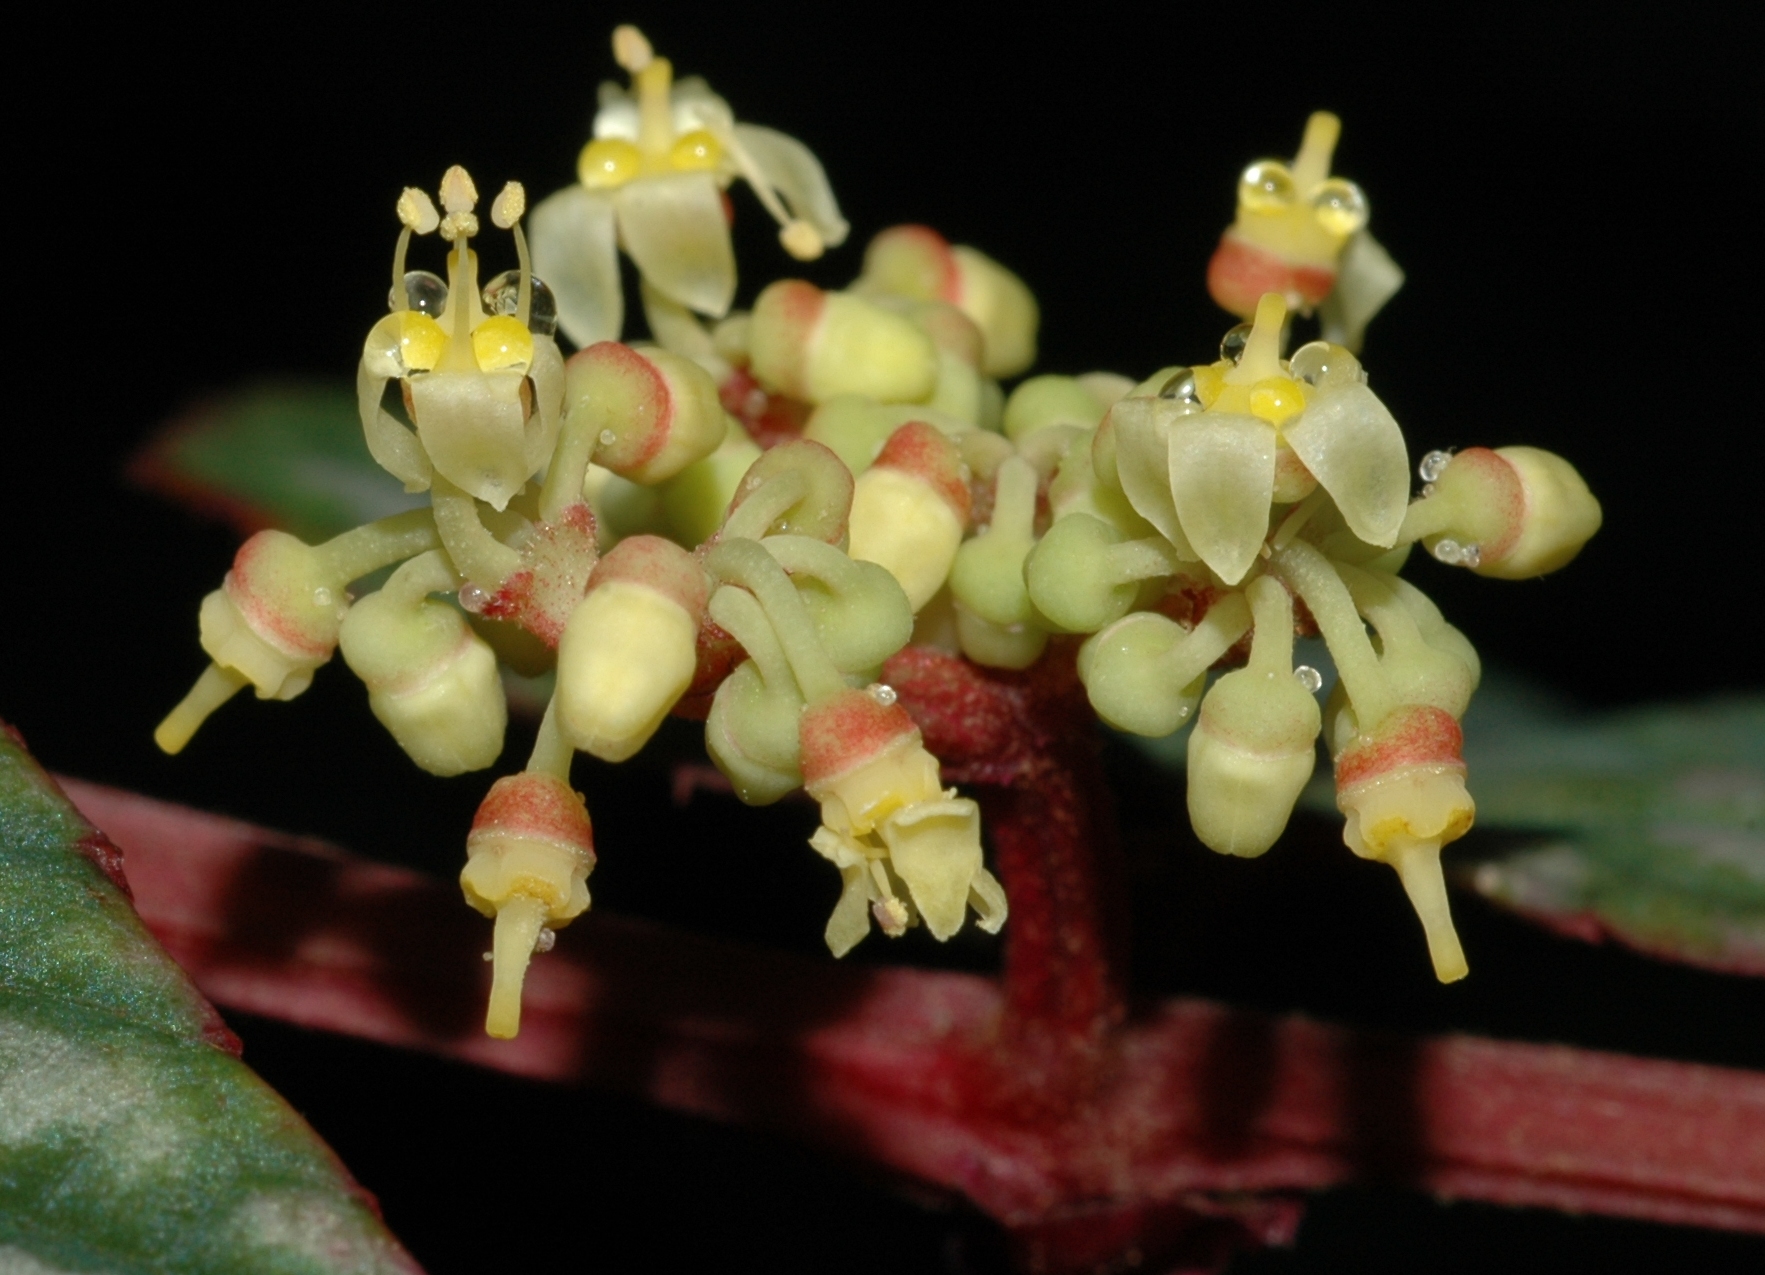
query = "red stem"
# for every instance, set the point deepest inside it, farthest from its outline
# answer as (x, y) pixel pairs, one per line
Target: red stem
(1197, 1125)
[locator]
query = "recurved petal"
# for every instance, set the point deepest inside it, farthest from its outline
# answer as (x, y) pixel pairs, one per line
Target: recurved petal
(935, 847)
(1366, 279)
(674, 228)
(793, 169)
(575, 252)
(1142, 462)
(1222, 478)
(1353, 446)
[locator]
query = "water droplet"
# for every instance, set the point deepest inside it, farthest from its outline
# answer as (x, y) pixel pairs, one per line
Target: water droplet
(1339, 206)
(1325, 365)
(1266, 186)
(1448, 551)
(882, 693)
(424, 292)
(548, 939)
(1309, 677)
(474, 598)
(1433, 465)
(608, 438)
(1181, 388)
(322, 597)
(502, 295)
(1233, 343)
(1427, 490)
(1470, 556)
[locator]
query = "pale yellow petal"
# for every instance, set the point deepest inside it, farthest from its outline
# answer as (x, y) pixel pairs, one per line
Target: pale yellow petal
(798, 176)
(674, 228)
(1353, 446)
(1222, 478)
(575, 252)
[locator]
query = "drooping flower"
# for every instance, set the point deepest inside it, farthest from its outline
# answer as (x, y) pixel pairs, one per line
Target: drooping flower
(652, 181)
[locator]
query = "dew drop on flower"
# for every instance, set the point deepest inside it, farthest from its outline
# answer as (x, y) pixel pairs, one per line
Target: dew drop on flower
(882, 693)
(1433, 465)
(473, 597)
(608, 438)
(1339, 206)
(547, 939)
(1266, 186)
(424, 292)
(502, 295)
(1309, 677)
(322, 597)
(1181, 388)
(1449, 551)
(1233, 343)
(1470, 556)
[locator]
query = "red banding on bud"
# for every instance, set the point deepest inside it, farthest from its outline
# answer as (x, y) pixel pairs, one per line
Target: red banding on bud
(1414, 735)
(536, 807)
(661, 565)
(843, 733)
(250, 587)
(926, 452)
(915, 261)
(1500, 492)
(651, 418)
(1239, 273)
(556, 565)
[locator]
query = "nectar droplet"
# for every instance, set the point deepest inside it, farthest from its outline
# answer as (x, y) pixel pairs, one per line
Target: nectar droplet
(424, 292)
(1309, 677)
(1233, 343)
(1433, 466)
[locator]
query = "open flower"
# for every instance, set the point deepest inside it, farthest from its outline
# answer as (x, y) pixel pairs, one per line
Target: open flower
(652, 180)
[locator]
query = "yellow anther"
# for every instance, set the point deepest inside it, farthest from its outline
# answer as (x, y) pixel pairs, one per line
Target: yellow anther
(695, 151)
(608, 162)
(416, 210)
(509, 205)
(421, 340)
(1266, 187)
(801, 240)
(501, 341)
(1277, 399)
(458, 194)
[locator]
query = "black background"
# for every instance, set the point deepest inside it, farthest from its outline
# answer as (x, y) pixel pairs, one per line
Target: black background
(200, 204)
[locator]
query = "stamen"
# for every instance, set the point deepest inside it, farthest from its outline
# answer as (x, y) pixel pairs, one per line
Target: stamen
(1312, 164)
(655, 112)
(799, 238)
(508, 206)
(458, 194)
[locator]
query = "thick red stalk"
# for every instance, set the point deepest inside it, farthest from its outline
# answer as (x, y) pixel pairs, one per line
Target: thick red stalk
(1199, 1125)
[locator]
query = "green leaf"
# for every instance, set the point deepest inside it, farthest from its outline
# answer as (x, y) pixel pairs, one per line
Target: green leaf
(278, 454)
(131, 1137)
(1655, 819)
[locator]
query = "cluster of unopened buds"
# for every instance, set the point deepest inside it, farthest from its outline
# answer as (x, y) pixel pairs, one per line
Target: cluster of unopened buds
(743, 520)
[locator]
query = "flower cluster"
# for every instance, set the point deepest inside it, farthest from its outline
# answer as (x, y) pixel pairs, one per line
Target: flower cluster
(743, 519)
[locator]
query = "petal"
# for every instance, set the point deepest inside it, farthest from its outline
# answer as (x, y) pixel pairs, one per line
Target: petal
(1222, 477)
(1142, 463)
(1365, 281)
(694, 105)
(797, 175)
(987, 897)
(1354, 447)
(935, 847)
(673, 227)
(574, 251)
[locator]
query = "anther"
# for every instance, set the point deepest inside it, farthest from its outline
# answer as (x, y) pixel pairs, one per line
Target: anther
(417, 212)
(509, 206)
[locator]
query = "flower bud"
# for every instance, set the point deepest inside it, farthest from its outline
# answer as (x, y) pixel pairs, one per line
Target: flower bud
(432, 682)
(1402, 787)
(275, 617)
(1145, 673)
(650, 413)
(918, 262)
(797, 488)
(695, 500)
(1050, 400)
(528, 857)
(1250, 756)
(1071, 579)
(630, 647)
(1512, 513)
(813, 345)
(910, 508)
(751, 734)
